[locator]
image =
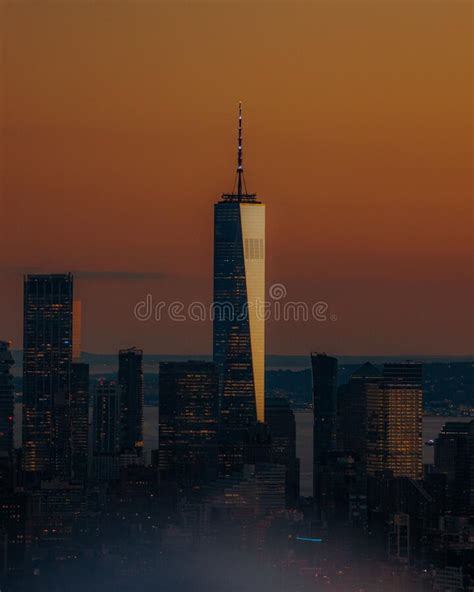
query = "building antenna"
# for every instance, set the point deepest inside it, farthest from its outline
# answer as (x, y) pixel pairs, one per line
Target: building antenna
(240, 167)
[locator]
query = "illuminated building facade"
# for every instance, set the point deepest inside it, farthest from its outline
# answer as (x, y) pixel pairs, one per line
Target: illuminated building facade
(130, 378)
(6, 401)
(239, 324)
(394, 416)
(403, 418)
(47, 357)
(188, 422)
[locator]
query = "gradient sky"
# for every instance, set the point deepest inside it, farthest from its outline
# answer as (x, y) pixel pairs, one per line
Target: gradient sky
(118, 135)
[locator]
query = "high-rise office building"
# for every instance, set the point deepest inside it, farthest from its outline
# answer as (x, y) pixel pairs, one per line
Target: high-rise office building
(394, 415)
(106, 430)
(106, 418)
(47, 356)
(239, 323)
(354, 402)
(188, 422)
(130, 378)
(6, 401)
(324, 370)
(376, 444)
(281, 423)
(79, 405)
(454, 457)
(403, 417)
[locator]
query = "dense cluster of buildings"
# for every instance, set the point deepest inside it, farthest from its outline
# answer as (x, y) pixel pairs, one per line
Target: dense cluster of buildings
(82, 489)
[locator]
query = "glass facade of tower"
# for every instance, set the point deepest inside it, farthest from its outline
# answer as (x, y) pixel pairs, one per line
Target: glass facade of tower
(47, 357)
(239, 324)
(188, 422)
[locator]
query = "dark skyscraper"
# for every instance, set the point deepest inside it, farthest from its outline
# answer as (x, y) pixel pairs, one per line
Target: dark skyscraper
(106, 430)
(47, 356)
(239, 325)
(79, 420)
(6, 401)
(355, 399)
(281, 423)
(130, 378)
(188, 422)
(454, 456)
(324, 370)
(106, 418)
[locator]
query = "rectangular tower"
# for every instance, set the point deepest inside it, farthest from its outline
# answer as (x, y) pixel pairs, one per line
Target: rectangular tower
(324, 369)
(47, 357)
(130, 378)
(106, 431)
(189, 417)
(403, 418)
(106, 418)
(79, 421)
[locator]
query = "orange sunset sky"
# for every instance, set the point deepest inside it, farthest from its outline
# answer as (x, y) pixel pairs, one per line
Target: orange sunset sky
(118, 124)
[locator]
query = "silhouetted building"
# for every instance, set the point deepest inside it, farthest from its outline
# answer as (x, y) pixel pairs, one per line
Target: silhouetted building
(417, 513)
(403, 417)
(6, 402)
(239, 323)
(79, 420)
(399, 538)
(454, 457)
(281, 422)
(324, 369)
(188, 422)
(47, 356)
(106, 430)
(355, 400)
(130, 378)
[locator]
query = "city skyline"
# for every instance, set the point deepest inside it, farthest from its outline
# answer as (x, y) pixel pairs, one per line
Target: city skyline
(259, 385)
(363, 192)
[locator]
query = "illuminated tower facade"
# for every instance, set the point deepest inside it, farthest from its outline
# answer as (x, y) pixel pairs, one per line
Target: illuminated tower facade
(239, 296)
(47, 357)
(403, 419)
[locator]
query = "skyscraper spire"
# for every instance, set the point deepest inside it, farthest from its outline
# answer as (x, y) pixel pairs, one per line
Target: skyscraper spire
(240, 168)
(239, 189)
